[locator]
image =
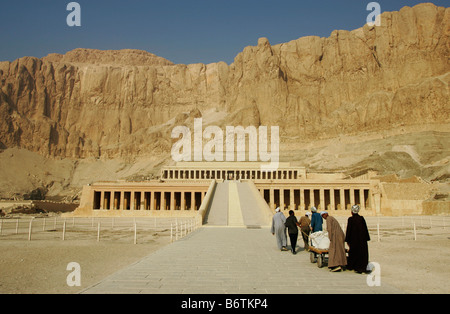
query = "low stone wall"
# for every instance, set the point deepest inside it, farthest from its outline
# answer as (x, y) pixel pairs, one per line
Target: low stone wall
(436, 207)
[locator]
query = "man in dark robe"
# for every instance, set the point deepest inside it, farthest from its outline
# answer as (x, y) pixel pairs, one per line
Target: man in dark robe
(292, 225)
(337, 258)
(356, 237)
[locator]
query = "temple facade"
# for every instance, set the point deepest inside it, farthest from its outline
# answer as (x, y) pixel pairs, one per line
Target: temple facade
(188, 187)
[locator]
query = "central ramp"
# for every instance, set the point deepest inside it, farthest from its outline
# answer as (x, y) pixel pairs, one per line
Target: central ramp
(230, 261)
(238, 204)
(218, 212)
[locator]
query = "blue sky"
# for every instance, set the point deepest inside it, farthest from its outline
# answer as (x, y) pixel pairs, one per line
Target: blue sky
(183, 31)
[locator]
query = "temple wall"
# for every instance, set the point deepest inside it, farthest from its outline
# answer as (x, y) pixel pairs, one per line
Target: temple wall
(185, 190)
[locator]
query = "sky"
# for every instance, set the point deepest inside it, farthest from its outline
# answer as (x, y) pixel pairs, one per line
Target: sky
(183, 31)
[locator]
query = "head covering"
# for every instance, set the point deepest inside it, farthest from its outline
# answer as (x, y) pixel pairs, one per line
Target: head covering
(278, 209)
(355, 209)
(308, 214)
(313, 209)
(323, 212)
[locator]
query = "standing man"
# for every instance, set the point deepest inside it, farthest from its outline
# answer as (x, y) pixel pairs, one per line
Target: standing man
(305, 229)
(316, 220)
(337, 258)
(291, 224)
(356, 237)
(279, 229)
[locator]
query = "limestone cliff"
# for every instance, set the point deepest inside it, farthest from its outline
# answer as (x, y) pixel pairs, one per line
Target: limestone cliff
(124, 104)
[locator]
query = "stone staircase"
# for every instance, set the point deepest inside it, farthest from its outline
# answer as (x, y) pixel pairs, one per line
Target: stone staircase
(237, 203)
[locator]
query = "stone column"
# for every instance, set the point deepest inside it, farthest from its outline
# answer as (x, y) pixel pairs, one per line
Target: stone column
(183, 201)
(291, 196)
(162, 201)
(111, 200)
(122, 200)
(332, 200)
(192, 201)
(172, 200)
(322, 199)
(281, 198)
(352, 197)
(302, 199)
(272, 199)
(362, 199)
(311, 197)
(342, 196)
(116, 204)
(132, 200)
(144, 203)
(152, 200)
(102, 199)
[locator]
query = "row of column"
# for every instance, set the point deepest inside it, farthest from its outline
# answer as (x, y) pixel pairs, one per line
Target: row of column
(322, 198)
(148, 200)
(231, 174)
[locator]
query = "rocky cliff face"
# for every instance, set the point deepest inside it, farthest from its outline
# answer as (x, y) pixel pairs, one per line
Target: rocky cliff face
(113, 104)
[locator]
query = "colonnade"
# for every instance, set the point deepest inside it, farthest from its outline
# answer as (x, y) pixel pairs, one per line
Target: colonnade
(232, 174)
(147, 200)
(303, 197)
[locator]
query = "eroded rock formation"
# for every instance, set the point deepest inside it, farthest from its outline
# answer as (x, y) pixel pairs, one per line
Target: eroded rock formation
(115, 103)
(124, 104)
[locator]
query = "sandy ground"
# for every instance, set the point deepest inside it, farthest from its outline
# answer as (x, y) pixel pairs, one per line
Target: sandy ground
(414, 266)
(420, 266)
(39, 265)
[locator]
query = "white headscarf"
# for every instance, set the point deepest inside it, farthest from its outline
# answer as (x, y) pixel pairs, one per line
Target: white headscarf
(278, 209)
(313, 209)
(355, 209)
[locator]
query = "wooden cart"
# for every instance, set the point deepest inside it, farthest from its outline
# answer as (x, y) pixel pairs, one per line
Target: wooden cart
(318, 255)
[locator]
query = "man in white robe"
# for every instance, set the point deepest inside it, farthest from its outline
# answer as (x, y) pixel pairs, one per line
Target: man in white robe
(279, 229)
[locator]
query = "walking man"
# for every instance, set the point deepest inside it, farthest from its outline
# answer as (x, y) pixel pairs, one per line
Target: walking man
(316, 220)
(279, 229)
(292, 224)
(356, 237)
(337, 258)
(305, 229)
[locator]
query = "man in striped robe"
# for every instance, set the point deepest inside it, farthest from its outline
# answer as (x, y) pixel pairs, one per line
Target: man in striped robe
(337, 258)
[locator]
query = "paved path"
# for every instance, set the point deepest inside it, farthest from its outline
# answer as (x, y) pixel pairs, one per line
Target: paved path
(219, 260)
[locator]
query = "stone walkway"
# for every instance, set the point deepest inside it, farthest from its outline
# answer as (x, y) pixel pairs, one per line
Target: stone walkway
(222, 260)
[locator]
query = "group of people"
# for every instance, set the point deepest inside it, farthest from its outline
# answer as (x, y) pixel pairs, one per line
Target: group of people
(356, 237)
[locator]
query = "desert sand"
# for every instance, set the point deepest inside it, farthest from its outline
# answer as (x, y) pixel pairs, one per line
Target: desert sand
(39, 265)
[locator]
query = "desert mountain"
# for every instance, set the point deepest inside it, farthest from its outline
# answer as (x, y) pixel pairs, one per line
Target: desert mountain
(372, 98)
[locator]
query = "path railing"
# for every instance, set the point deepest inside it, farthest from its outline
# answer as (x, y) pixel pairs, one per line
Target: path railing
(403, 227)
(122, 229)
